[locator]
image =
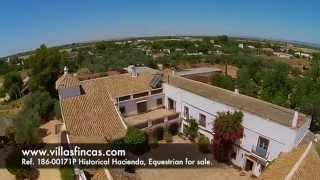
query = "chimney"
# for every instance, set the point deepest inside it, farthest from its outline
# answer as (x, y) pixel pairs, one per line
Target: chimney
(236, 91)
(160, 67)
(132, 70)
(295, 119)
(65, 69)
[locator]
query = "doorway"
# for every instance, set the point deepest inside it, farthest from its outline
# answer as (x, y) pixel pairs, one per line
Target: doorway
(171, 104)
(249, 165)
(142, 107)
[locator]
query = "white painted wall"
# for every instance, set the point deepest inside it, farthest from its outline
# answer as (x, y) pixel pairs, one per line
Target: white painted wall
(131, 105)
(301, 132)
(281, 138)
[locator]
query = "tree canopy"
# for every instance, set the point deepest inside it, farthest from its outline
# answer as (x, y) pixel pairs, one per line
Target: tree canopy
(13, 84)
(27, 125)
(227, 130)
(46, 67)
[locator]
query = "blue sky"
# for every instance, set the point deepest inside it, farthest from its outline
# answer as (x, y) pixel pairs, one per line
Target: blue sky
(25, 24)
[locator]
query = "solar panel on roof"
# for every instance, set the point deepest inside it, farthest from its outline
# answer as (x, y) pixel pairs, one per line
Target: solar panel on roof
(155, 82)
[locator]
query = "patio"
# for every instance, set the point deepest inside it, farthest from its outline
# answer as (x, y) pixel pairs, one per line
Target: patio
(154, 116)
(218, 171)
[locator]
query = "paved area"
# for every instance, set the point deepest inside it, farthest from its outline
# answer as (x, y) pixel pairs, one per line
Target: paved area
(50, 137)
(49, 129)
(222, 172)
(5, 174)
(219, 171)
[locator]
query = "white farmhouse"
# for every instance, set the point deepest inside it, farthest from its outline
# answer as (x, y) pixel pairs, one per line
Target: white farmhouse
(268, 129)
(100, 110)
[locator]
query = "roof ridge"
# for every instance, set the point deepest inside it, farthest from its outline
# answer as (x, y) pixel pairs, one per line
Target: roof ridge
(299, 162)
(104, 77)
(275, 106)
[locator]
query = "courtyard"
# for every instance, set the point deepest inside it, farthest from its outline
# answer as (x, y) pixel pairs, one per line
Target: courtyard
(219, 171)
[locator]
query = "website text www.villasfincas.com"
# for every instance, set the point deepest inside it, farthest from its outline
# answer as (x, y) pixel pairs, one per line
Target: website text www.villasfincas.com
(76, 156)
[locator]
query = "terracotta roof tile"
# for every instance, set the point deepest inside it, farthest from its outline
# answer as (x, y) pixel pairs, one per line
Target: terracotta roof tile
(67, 81)
(119, 85)
(100, 175)
(281, 167)
(92, 115)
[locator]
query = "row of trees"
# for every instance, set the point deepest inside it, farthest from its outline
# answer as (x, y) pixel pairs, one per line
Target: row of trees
(277, 83)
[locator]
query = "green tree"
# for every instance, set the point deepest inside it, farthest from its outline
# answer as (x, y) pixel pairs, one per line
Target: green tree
(136, 141)
(27, 127)
(222, 38)
(13, 84)
(306, 94)
(225, 82)
(41, 102)
(246, 83)
(192, 129)
(203, 144)
(46, 67)
(101, 46)
(227, 131)
(276, 85)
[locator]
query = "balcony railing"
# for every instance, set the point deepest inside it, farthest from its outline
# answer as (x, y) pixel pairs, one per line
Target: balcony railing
(261, 152)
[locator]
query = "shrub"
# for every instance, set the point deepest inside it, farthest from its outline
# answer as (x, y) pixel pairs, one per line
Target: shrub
(192, 129)
(203, 144)
(136, 141)
(167, 136)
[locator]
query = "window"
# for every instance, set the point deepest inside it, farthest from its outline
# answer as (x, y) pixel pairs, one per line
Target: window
(186, 112)
(159, 101)
(262, 147)
(171, 104)
(142, 107)
(263, 143)
(202, 120)
(234, 154)
(123, 98)
(122, 110)
(157, 91)
(140, 94)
